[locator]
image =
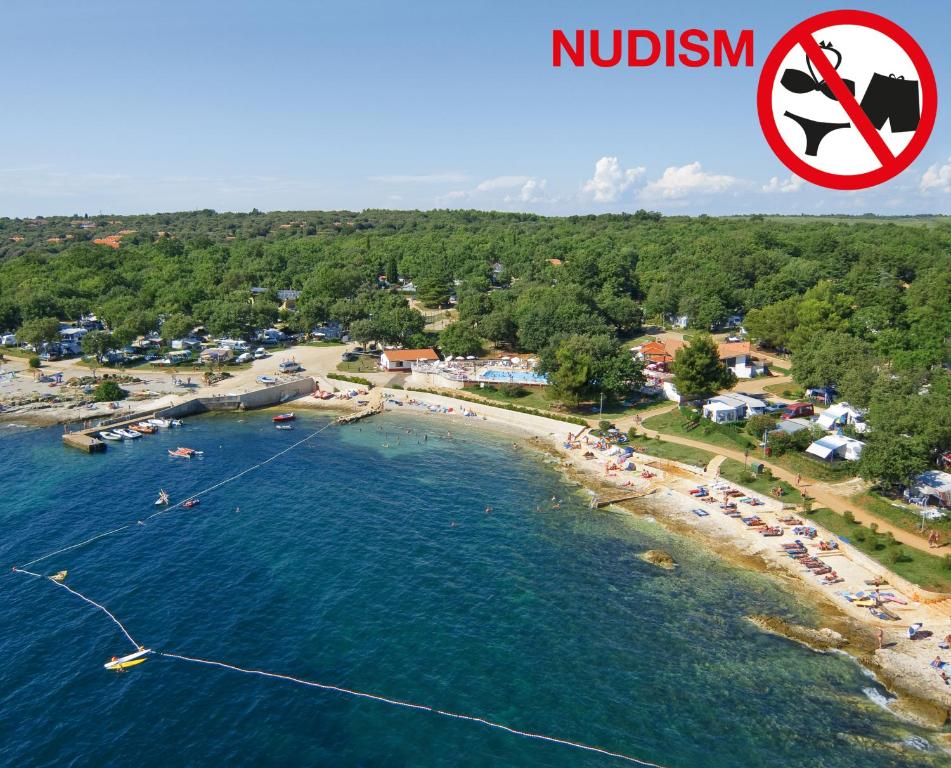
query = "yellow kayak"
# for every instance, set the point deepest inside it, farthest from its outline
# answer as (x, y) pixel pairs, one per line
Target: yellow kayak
(131, 660)
(864, 603)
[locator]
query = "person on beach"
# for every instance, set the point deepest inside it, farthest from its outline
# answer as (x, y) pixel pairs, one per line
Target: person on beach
(881, 638)
(937, 663)
(914, 629)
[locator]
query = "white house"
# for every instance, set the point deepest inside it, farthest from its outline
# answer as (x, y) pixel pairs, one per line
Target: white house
(736, 356)
(833, 447)
(841, 414)
(403, 359)
(732, 406)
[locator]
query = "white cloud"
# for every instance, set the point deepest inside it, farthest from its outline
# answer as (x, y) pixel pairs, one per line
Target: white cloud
(680, 181)
(610, 180)
(502, 182)
(422, 178)
(937, 178)
(532, 191)
(782, 186)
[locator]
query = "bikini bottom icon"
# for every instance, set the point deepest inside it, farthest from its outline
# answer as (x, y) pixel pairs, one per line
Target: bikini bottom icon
(815, 131)
(894, 99)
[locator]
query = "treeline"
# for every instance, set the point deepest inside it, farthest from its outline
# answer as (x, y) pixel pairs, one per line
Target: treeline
(857, 302)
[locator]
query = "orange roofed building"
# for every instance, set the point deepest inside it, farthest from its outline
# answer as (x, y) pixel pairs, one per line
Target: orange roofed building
(403, 359)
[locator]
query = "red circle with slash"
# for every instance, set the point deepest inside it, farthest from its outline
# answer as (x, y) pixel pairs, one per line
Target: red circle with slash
(891, 165)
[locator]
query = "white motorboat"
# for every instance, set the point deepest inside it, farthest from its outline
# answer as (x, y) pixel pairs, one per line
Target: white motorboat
(128, 434)
(110, 436)
(164, 423)
(175, 422)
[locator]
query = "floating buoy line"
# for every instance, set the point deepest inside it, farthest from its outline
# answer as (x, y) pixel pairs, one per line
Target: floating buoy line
(141, 652)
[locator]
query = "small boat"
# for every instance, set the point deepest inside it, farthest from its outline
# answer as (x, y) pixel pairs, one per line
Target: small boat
(59, 577)
(164, 423)
(175, 423)
(162, 498)
(284, 417)
(191, 503)
(110, 436)
(267, 380)
(127, 433)
(180, 453)
(124, 662)
(283, 426)
(143, 428)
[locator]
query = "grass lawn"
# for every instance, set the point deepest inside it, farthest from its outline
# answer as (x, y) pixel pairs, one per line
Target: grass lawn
(735, 472)
(529, 397)
(787, 389)
(926, 570)
(363, 364)
(672, 451)
(719, 435)
(807, 466)
(900, 517)
(325, 343)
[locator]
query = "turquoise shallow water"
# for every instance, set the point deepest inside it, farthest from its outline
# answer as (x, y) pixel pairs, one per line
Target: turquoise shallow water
(343, 565)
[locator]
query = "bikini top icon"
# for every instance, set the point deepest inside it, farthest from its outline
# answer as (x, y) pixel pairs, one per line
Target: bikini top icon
(797, 81)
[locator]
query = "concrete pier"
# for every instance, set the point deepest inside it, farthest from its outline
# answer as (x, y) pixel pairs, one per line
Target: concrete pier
(86, 439)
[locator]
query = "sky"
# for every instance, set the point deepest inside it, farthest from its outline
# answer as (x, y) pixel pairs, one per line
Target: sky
(120, 107)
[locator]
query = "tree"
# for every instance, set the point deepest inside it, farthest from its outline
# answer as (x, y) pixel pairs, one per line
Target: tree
(757, 425)
(892, 460)
(177, 326)
(392, 272)
(839, 359)
(499, 327)
(96, 344)
(364, 331)
(39, 331)
(571, 375)
(698, 370)
(108, 391)
(460, 339)
(433, 291)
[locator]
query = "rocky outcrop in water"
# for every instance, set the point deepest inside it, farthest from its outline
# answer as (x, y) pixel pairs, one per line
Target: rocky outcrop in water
(818, 639)
(659, 558)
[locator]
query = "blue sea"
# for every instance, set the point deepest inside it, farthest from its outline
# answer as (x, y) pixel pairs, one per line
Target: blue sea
(365, 558)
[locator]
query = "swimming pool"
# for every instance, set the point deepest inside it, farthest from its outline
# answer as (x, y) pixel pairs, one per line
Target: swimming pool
(512, 377)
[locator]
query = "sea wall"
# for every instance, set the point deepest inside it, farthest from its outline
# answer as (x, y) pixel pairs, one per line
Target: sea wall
(259, 398)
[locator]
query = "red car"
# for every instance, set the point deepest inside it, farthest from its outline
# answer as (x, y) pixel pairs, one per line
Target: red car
(795, 410)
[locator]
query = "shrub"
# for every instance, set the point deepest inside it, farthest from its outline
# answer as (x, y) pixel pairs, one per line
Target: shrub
(34, 362)
(860, 535)
(946, 562)
(632, 432)
(756, 425)
(897, 555)
(513, 390)
(352, 379)
(107, 391)
(848, 516)
(604, 425)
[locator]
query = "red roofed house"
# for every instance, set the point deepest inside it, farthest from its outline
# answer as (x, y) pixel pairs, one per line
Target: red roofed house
(403, 359)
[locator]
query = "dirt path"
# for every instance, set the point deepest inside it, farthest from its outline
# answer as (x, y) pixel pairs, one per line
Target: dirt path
(824, 495)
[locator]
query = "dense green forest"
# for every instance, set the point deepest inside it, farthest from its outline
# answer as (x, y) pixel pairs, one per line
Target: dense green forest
(861, 304)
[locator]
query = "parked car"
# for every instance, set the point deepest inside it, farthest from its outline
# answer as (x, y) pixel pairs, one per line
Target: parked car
(259, 353)
(798, 410)
(244, 357)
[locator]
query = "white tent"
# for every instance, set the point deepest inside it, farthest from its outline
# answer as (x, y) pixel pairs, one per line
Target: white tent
(836, 447)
